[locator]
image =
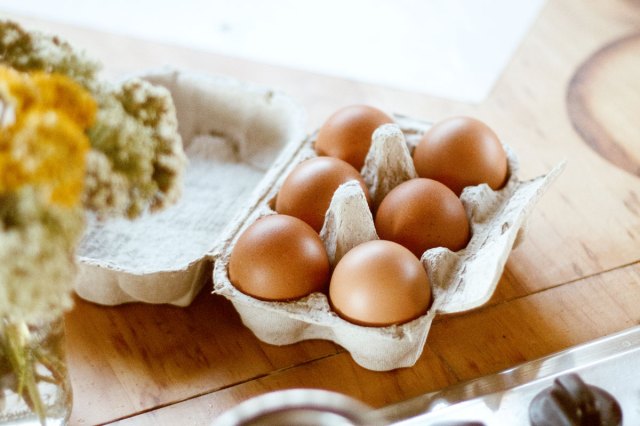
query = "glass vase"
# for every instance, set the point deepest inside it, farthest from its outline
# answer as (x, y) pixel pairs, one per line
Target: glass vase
(34, 382)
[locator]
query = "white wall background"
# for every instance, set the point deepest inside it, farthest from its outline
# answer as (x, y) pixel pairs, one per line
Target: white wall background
(454, 49)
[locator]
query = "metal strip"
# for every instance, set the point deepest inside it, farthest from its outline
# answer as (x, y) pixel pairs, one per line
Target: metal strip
(611, 362)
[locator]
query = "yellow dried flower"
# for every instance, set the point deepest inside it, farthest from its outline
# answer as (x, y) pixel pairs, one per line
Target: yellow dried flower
(65, 96)
(51, 149)
(44, 144)
(17, 92)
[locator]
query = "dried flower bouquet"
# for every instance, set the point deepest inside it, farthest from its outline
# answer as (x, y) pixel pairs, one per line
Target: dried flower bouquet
(70, 143)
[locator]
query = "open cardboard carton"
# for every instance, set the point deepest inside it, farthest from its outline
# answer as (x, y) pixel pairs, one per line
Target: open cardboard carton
(242, 141)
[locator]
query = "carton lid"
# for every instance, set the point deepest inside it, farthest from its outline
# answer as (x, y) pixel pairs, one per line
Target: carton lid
(233, 134)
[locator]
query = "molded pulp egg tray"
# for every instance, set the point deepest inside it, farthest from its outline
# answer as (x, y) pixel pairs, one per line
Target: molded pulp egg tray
(242, 141)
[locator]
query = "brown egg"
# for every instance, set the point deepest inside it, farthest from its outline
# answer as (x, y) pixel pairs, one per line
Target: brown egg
(279, 257)
(347, 133)
(421, 214)
(460, 152)
(379, 283)
(306, 192)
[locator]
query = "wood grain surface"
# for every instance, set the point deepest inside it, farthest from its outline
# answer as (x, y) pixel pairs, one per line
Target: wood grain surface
(570, 92)
(604, 99)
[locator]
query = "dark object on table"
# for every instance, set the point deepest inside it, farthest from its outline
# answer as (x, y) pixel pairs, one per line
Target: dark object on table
(572, 402)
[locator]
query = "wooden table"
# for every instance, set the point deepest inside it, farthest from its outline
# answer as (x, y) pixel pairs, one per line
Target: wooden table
(570, 92)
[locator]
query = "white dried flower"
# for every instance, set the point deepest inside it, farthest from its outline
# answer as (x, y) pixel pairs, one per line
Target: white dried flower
(105, 190)
(37, 243)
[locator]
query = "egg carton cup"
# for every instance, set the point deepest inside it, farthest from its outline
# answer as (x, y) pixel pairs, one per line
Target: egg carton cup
(234, 134)
(460, 280)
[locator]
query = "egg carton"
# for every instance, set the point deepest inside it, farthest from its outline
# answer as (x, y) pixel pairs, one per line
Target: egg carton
(242, 141)
(460, 280)
(234, 134)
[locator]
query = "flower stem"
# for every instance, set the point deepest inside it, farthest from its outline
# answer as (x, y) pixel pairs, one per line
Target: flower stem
(16, 347)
